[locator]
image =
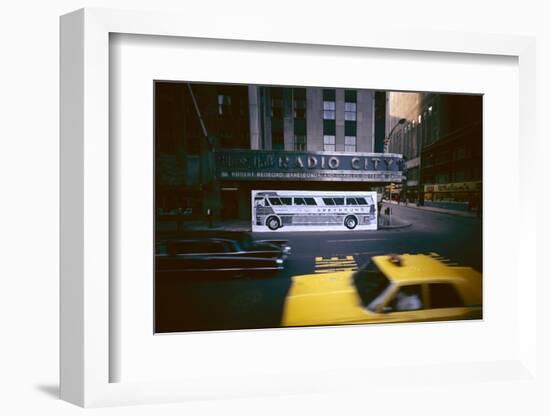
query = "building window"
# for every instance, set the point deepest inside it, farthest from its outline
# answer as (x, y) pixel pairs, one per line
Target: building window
(350, 111)
(350, 96)
(329, 143)
(299, 108)
(299, 143)
(277, 107)
(299, 95)
(459, 176)
(329, 127)
(350, 144)
(329, 95)
(442, 178)
(277, 141)
(329, 110)
(224, 104)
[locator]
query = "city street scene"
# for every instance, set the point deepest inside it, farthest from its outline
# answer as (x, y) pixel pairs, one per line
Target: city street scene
(287, 206)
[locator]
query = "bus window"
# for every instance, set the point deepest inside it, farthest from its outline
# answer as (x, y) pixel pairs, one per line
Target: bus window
(310, 201)
(339, 201)
(275, 201)
(299, 201)
(328, 201)
(286, 201)
(351, 201)
(259, 202)
(361, 201)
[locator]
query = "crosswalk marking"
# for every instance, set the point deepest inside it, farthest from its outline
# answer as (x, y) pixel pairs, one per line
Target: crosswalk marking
(442, 259)
(334, 264)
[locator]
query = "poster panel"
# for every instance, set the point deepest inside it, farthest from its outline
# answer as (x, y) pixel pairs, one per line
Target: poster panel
(276, 211)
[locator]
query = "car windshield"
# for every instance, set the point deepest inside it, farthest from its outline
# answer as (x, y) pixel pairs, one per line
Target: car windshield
(370, 283)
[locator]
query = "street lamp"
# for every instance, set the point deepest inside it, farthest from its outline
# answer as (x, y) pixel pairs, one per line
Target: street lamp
(386, 143)
(387, 139)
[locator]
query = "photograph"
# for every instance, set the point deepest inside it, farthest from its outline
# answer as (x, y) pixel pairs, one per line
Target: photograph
(294, 206)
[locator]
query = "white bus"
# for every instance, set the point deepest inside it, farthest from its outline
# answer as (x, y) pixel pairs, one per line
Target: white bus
(313, 211)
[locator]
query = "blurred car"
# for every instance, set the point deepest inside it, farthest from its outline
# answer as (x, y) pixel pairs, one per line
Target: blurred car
(391, 288)
(243, 238)
(213, 267)
(222, 247)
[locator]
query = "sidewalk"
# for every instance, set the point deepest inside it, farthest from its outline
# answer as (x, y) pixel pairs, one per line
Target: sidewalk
(386, 222)
(244, 225)
(470, 214)
(231, 225)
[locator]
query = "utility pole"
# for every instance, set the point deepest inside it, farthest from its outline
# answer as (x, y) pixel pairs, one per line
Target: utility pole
(210, 190)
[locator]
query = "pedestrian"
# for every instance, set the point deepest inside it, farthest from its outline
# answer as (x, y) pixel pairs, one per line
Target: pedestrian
(209, 217)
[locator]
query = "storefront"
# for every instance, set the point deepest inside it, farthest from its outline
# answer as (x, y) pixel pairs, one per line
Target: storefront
(238, 172)
(457, 195)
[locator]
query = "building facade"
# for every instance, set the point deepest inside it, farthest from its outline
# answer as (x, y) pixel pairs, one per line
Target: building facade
(441, 142)
(216, 143)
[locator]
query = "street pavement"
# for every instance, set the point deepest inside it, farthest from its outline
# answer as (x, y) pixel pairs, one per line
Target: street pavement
(258, 303)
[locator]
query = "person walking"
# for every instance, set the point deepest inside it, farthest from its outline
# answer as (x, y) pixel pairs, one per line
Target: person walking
(209, 217)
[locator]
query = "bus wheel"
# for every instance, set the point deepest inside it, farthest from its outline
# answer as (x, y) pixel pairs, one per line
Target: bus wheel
(350, 222)
(273, 223)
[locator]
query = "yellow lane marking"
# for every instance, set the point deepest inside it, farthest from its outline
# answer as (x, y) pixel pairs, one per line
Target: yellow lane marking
(317, 259)
(442, 259)
(334, 264)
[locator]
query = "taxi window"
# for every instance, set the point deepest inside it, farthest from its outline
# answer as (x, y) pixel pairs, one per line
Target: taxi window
(370, 283)
(444, 295)
(407, 298)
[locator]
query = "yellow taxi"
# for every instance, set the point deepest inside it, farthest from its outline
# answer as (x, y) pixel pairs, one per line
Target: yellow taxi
(391, 288)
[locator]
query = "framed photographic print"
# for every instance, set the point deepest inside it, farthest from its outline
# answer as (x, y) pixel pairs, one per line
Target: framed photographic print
(237, 210)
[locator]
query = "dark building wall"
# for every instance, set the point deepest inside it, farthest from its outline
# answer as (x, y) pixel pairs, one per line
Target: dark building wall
(183, 159)
(379, 120)
(441, 140)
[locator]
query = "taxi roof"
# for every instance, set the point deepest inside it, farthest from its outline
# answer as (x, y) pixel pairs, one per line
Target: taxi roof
(417, 268)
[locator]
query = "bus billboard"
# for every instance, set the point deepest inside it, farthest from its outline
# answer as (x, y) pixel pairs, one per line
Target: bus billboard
(313, 210)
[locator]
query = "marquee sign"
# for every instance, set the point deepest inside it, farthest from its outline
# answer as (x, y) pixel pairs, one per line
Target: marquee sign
(311, 166)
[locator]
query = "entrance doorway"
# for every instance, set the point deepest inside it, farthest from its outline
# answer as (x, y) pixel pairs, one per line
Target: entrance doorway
(230, 203)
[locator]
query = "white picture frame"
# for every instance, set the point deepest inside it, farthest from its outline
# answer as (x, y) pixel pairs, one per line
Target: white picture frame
(86, 264)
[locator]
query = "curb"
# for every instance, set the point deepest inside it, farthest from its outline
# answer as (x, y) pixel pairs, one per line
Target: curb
(393, 227)
(463, 214)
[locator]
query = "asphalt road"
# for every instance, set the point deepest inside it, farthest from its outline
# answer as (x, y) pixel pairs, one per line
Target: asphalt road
(258, 303)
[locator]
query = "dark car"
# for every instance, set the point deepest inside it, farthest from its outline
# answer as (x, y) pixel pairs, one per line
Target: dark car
(243, 238)
(214, 267)
(222, 247)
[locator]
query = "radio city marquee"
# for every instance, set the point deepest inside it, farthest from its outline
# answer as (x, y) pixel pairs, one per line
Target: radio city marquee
(312, 166)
